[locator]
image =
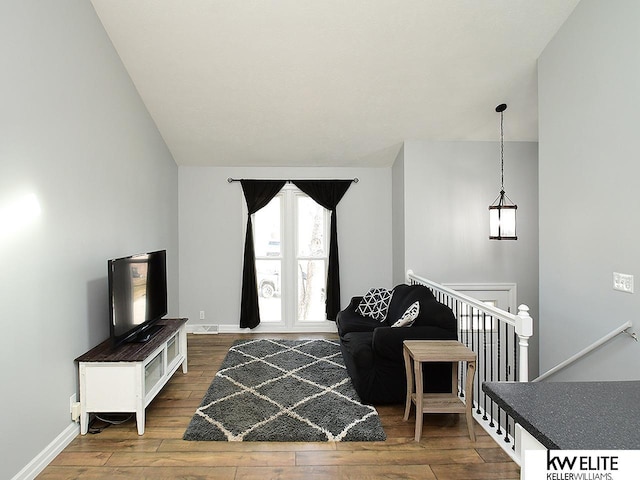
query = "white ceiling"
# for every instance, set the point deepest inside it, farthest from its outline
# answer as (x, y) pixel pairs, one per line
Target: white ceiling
(331, 82)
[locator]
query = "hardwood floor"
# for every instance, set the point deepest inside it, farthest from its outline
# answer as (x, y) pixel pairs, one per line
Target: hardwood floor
(444, 453)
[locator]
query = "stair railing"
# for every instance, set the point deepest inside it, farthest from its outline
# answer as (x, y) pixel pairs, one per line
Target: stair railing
(624, 328)
(501, 342)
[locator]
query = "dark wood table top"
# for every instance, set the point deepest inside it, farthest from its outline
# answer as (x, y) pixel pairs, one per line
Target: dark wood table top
(133, 352)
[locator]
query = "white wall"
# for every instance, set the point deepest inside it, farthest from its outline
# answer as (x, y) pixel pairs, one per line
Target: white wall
(589, 101)
(74, 132)
(448, 187)
(398, 226)
(212, 225)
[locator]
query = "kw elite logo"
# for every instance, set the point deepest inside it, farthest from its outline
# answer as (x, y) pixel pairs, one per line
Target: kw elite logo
(581, 467)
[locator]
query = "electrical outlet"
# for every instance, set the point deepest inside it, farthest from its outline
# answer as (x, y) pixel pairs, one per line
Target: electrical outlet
(201, 314)
(74, 408)
(75, 412)
(623, 282)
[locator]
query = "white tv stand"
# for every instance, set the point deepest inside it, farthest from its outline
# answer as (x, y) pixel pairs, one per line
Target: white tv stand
(127, 378)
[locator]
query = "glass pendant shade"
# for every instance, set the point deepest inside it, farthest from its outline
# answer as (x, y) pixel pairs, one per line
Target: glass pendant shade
(502, 219)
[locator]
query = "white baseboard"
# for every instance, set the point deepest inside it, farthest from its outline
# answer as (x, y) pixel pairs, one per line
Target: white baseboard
(326, 327)
(40, 461)
(265, 327)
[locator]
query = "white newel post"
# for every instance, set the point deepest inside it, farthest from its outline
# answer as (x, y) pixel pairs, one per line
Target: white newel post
(408, 277)
(524, 330)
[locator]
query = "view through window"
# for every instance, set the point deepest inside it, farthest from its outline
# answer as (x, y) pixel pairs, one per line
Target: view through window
(291, 246)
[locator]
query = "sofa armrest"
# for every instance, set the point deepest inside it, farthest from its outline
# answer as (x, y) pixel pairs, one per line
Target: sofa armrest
(353, 304)
(387, 341)
(349, 320)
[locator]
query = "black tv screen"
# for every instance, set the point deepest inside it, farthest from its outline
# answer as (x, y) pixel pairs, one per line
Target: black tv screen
(137, 294)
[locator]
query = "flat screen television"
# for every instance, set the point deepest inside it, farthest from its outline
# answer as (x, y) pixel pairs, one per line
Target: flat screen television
(137, 296)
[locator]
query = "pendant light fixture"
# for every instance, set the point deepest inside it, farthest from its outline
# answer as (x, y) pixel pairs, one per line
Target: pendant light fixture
(502, 212)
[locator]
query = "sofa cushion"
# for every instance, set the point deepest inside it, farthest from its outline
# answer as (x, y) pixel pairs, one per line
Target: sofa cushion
(375, 303)
(403, 297)
(409, 315)
(359, 346)
(387, 341)
(432, 313)
(436, 314)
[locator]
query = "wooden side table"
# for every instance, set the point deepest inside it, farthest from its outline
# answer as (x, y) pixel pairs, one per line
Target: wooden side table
(415, 353)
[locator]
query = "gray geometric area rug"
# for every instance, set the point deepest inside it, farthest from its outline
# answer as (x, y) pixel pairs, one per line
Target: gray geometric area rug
(270, 390)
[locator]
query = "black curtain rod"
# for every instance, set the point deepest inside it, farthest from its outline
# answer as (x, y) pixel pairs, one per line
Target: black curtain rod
(231, 180)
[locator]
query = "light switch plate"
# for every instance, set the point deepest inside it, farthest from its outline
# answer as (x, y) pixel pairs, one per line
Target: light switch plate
(623, 282)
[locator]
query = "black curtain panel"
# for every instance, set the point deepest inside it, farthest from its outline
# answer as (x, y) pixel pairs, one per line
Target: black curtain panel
(328, 193)
(257, 193)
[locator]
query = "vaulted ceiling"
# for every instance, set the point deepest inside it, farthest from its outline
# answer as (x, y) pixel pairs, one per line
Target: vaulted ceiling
(330, 82)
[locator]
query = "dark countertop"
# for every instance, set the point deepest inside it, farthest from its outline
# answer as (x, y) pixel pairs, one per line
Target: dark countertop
(574, 415)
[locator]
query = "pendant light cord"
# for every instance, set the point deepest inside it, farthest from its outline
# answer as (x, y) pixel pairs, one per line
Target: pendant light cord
(501, 151)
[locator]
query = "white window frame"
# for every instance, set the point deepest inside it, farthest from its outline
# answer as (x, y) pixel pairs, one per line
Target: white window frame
(289, 257)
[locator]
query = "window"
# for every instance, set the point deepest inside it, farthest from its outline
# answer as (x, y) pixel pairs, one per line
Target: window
(291, 246)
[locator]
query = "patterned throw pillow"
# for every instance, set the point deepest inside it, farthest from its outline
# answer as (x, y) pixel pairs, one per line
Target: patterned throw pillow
(409, 316)
(375, 304)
